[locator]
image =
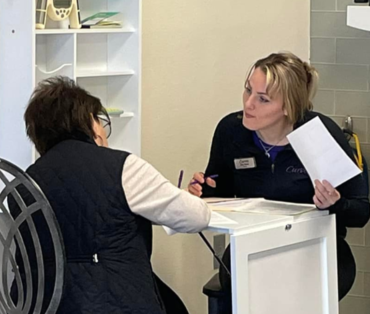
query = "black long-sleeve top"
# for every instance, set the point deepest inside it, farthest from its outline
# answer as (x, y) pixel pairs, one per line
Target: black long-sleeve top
(285, 178)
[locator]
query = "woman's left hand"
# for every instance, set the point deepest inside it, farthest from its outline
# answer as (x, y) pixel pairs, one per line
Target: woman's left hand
(325, 194)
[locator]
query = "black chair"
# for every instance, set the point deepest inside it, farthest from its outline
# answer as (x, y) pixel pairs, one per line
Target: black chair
(28, 233)
(218, 300)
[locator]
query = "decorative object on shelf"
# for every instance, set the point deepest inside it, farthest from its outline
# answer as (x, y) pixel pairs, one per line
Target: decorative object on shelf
(57, 10)
(100, 20)
(114, 111)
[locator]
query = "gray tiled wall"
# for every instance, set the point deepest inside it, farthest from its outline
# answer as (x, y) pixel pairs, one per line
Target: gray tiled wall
(342, 56)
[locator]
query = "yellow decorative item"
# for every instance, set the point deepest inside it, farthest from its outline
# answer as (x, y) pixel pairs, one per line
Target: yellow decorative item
(358, 153)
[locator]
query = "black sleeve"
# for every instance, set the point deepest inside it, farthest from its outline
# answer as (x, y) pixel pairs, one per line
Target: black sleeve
(217, 165)
(353, 207)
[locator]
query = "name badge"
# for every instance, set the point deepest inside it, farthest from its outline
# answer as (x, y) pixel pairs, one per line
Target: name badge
(245, 163)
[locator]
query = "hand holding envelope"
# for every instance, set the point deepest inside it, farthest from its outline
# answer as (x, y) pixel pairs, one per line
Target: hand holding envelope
(325, 194)
(325, 161)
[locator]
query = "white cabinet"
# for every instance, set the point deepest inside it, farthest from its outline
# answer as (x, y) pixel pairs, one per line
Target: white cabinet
(106, 62)
(282, 264)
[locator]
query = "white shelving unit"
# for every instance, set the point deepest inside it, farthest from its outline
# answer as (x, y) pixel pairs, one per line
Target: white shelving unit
(106, 62)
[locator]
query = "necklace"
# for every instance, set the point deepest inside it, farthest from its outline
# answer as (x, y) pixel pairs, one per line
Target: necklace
(267, 149)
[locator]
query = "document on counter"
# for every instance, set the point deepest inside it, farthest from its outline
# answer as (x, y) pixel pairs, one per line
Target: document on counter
(216, 219)
(321, 155)
(219, 219)
(263, 206)
(212, 200)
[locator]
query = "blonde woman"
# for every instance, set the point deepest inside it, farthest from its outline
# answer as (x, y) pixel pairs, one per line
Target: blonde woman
(252, 157)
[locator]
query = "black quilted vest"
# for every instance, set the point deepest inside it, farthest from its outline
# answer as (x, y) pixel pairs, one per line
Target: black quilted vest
(108, 248)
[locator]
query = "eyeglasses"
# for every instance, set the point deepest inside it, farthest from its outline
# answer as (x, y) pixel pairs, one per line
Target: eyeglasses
(107, 125)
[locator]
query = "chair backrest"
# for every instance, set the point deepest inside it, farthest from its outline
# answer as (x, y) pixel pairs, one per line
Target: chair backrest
(24, 218)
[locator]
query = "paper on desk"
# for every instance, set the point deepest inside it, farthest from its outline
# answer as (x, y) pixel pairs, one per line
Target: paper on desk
(216, 219)
(215, 200)
(263, 206)
(228, 204)
(321, 155)
(219, 219)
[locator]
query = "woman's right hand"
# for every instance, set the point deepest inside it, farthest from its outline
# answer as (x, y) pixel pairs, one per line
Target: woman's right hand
(195, 187)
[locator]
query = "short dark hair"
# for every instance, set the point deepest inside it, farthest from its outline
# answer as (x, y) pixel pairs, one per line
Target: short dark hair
(58, 109)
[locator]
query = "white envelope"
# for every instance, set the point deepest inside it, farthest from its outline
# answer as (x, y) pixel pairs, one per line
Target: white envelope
(321, 155)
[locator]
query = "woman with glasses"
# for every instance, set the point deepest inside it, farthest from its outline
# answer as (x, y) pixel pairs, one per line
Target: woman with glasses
(105, 201)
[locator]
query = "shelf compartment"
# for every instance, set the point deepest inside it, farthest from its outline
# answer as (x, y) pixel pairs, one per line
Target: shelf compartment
(120, 92)
(55, 54)
(129, 10)
(125, 133)
(101, 52)
(63, 70)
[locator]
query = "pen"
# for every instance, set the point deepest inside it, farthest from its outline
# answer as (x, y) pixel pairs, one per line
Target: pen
(200, 233)
(213, 176)
(180, 179)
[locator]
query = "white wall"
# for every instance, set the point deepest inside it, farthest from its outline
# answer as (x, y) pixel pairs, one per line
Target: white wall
(195, 57)
(16, 84)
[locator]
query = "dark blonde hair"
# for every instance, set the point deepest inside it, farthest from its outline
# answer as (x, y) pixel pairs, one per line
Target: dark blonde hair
(59, 108)
(295, 80)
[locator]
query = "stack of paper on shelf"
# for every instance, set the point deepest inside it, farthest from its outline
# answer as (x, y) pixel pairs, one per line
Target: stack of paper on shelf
(101, 20)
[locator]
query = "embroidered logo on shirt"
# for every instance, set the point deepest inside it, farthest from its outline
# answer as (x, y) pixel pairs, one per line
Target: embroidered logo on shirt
(292, 169)
(245, 163)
